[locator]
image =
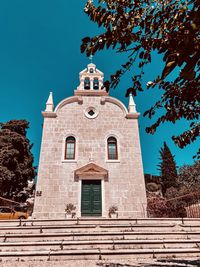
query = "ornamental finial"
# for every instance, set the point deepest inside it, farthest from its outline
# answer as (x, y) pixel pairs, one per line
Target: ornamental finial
(131, 106)
(49, 103)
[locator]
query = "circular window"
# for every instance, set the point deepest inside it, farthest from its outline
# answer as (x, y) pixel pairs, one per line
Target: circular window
(91, 113)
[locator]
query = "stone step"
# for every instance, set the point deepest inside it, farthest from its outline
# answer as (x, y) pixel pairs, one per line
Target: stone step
(99, 254)
(98, 239)
(47, 228)
(99, 235)
(107, 227)
(96, 221)
(103, 244)
(189, 262)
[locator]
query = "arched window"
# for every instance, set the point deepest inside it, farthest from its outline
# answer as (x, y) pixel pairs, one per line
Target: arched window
(112, 148)
(87, 83)
(96, 84)
(91, 70)
(70, 148)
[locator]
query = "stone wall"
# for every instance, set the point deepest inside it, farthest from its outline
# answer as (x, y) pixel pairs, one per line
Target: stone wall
(125, 186)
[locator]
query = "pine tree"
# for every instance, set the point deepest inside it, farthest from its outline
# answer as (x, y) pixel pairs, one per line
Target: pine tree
(167, 167)
(16, 159)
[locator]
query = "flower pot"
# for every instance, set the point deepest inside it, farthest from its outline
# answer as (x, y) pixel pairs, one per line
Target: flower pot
(113, 215)
(68, 215)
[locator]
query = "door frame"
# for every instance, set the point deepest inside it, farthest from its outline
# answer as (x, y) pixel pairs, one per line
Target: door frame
(102, 197)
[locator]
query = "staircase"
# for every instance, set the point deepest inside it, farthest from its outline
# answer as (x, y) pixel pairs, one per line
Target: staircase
(98, 239)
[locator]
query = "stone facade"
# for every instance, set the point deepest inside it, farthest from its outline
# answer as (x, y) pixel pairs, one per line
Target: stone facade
(60, 180)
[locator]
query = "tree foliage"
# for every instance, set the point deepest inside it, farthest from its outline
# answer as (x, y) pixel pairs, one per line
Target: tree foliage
(188, 182)
(168, 171)
(172, 29)
(16, 159)
(187, 191)
(158, 206)
(178, 197)
(189, 177)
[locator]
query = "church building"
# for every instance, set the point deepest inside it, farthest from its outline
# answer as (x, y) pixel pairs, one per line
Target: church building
(90, 154)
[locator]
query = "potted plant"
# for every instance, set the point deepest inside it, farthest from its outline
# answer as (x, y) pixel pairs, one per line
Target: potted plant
(69, 209)
(112, 213)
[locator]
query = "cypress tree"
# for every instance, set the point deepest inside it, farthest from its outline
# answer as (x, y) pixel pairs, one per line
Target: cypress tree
(167, 167)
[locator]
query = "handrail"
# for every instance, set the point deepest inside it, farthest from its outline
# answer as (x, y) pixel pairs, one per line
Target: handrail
(9, 200)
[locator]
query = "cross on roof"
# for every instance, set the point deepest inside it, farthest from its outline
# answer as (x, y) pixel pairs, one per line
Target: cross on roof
(91, 57)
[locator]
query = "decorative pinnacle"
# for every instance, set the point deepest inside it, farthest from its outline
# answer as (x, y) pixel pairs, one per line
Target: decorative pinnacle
(132, 105)
(49, 103)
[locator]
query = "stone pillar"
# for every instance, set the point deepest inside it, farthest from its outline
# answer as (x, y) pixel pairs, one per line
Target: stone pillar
(100, 84)
(91, 83)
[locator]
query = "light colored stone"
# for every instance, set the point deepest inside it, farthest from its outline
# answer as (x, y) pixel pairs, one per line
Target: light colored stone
(49, 104)
(124, 186)
(132, 105)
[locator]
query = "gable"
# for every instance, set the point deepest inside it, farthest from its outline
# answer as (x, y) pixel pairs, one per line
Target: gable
(91, 171)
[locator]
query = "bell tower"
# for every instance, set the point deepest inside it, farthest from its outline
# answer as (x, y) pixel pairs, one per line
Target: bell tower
(91, 79)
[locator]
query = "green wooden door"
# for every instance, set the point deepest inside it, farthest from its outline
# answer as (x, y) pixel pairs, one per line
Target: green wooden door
(91, 198)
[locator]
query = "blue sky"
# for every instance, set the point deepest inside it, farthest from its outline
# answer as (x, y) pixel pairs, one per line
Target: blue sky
(40, 52)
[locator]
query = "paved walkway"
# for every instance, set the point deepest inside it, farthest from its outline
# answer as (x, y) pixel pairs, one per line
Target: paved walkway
(114, 263)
